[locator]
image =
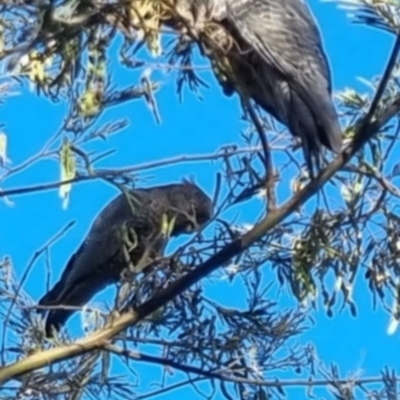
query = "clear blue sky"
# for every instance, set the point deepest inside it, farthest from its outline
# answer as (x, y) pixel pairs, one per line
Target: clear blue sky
(189, 128)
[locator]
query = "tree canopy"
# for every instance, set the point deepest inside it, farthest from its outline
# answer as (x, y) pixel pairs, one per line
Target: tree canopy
(307, 242)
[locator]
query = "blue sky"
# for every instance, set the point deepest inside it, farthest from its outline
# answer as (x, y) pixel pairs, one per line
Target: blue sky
(191, 127)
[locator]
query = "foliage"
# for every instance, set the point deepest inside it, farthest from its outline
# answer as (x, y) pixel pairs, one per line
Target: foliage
(317, 253)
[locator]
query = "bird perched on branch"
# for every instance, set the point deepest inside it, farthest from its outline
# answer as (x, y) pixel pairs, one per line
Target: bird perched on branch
(129, 233)
(275, 58)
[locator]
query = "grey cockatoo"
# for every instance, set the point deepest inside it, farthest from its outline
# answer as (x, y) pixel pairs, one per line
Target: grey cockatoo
(278, 58)
(130, 231)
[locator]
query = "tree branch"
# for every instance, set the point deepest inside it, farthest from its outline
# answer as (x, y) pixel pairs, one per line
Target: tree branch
(141, 167)
(189, 369)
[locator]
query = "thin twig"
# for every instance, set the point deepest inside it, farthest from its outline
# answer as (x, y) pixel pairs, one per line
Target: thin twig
(228, 377)
(269, 169)
(37, 254)
(377, 98)
(117, 172)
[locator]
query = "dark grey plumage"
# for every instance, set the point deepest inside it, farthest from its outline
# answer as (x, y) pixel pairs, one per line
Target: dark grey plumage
(278, 55)
(100, 260)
